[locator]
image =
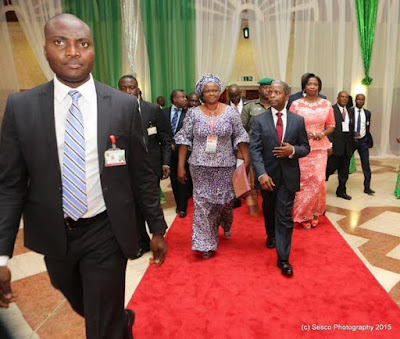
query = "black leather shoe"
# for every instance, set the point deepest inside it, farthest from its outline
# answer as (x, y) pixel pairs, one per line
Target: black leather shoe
(142, 250)
(130, 320)
(285, 267)
(182, 214)
(344, 196)
(270, 242)
(369, 191)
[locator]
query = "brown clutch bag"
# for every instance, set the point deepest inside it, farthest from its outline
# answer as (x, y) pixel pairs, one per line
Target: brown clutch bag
(241, 182)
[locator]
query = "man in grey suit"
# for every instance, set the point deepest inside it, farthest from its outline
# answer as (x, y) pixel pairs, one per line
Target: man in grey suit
(158, 142)
(278, 139)
(73, 163)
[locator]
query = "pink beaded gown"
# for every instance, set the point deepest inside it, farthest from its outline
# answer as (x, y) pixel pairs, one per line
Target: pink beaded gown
(310, 201)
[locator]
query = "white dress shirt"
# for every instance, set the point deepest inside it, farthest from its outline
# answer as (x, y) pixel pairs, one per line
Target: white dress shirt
(239, 106)
(346, 117)
(88, 107)
(284, 119)
(363, 126)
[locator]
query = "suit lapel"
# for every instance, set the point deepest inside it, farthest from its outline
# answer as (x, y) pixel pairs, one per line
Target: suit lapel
(271, 125)
(103, 121)
(180, 122)
(289, 125)
(46, 104)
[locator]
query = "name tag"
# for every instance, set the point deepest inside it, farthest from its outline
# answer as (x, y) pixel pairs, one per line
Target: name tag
(345, 126)
(152, 130)
(211, 146)
(114, 157)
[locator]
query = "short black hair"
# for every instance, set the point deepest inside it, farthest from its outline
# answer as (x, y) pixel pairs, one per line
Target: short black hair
(174, 93)
(127, 76)
(307, 77)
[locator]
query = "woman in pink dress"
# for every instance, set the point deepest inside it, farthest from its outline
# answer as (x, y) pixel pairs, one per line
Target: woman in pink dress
(310, 201)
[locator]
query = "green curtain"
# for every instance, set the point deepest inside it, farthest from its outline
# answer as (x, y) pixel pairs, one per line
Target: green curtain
(366, 18)
(170, 32)
(104, 18)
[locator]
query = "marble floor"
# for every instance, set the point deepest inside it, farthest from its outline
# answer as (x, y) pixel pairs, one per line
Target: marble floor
(370, 225)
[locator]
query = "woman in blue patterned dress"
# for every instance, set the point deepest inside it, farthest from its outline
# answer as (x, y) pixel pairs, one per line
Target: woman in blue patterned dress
(212, 130)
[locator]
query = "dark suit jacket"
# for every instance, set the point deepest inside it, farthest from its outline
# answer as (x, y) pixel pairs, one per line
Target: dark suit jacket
(370, 141)
(167, 114)
(263, 140)
(30, 175)
(343, 142)
(158, 145)
(297, 96)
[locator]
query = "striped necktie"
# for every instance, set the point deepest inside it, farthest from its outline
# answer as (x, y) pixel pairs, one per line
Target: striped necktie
(74, 168)
(174, 119)
(358, 129)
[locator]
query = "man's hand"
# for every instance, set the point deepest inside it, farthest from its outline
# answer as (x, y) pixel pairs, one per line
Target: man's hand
(182, 175)
(398, 139)
(330, 151)
(166, 171)
(159, 249)
(266, 182)
(6, 295)
(284, 151)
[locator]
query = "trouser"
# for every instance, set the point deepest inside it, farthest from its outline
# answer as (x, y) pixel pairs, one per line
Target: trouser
(277, 208)
(341, 164)
(181, 191)
(363, 151)
(92, 278)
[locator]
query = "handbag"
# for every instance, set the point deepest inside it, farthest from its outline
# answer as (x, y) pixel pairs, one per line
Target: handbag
(241, 182)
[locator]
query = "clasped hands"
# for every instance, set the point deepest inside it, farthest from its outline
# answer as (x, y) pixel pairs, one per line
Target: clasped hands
(182, 177)
(315, 135)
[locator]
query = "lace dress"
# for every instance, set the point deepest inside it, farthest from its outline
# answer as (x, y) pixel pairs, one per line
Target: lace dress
(310, 201)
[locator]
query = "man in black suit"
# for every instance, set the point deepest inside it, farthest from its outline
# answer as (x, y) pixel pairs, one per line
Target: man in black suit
(193, 100)
(175, 115)
(363, 139)
(301, 94)
(278, 139)
(73, 163)
(158, 142)
(235, 98)
(343, 146)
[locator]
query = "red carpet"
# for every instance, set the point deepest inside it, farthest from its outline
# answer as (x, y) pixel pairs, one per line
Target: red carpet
(240, 293)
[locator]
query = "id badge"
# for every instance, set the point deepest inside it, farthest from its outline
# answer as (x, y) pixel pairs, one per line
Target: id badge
(114, 157)
(152, 130)
(211, 146)
(345, 126)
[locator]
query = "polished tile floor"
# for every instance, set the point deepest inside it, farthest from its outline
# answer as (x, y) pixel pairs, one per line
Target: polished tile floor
(370, 225)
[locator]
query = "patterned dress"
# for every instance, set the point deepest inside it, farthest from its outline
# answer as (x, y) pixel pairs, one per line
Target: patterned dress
(310, 201)
(211, 172)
